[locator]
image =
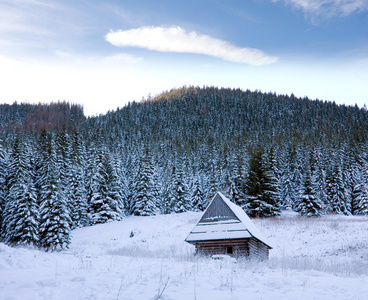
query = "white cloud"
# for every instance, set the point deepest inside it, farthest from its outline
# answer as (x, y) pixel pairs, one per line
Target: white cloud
(328, 8)
(176, 39)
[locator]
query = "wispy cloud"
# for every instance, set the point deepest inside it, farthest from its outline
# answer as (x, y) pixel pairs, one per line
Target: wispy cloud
(328, 8)
(39, 25)
(19, 15)
(176, 39)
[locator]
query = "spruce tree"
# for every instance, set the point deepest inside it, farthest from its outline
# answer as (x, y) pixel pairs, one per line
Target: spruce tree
(198, 197)
(336, 191)
(356, 182)
(20, 223)
(362, 199)
(271, 179)
(3, 183)
(106, 202)
(77, 198)
(363, 203)
(308, 204)
(54, 216)
(319, 174)
(288, 188)
(180, 201)
(262, 198)
(77, 189)
(144, 201)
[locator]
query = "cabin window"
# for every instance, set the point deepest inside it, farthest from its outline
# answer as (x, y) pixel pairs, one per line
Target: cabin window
(229, 250)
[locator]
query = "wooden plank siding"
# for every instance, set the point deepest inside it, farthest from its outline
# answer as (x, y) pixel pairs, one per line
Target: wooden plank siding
(257, 250)
(251, 248)
(239, 247)
(225, 228)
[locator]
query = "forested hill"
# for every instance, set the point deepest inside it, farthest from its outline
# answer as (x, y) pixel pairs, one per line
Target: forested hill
(191, 117)
(171, 153)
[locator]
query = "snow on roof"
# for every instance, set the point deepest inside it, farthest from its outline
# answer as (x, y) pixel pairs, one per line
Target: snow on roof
(219, 229)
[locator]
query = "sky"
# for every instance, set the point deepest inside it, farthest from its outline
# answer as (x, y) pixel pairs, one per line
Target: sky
(104, 54)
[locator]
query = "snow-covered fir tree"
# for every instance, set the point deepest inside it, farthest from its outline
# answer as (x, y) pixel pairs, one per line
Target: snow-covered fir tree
(3, 183)
(63, 148)
(198, 197)
(77, 187)
(262, 194)
(336, 191)
(236, 184)
(77, 197)
(298, 161)
(356, 187)
(319, 175)
(144, 198)
(287, 188)
(54, 215)
(362, 199)
(106, 203)
(363, 204)
(271, 179)
(308, 204)
(20, 223)
(179, 195)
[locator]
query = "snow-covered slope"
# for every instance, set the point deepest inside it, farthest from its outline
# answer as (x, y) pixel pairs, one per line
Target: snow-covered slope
(147, 258)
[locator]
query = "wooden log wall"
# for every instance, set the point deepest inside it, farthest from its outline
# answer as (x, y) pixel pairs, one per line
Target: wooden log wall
(251, 248)
(257, 250)
(239, 247)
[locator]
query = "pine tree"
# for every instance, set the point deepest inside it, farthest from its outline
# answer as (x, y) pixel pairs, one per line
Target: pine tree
(77, 189)
(362, 197)
(336, 191)
(54, 216)
(236, 189)
(297, 173)
(106, 202)
(363, 204)
(179, 200)
(77, 198)
(198, 197)
(308, 205)
(63, 149)
(319, 173)
(261, 191)
(356, 184)
(3, 184)
(144, 203)
(271, 179)
(20, 224)
(287, 191)
(127, 191)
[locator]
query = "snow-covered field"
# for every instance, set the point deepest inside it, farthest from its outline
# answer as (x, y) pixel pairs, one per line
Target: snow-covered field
(324, 258)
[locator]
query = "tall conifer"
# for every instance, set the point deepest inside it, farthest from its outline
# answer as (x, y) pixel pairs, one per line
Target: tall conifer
(20, 223)
(54, 213)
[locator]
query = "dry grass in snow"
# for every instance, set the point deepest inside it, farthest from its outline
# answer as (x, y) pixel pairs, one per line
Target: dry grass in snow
(147, 258)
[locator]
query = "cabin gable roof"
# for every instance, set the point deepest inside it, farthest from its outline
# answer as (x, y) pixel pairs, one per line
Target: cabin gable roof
(223, 220)
(218, 211)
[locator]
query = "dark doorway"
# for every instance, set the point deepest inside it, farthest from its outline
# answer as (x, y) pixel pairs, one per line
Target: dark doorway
(229, 250)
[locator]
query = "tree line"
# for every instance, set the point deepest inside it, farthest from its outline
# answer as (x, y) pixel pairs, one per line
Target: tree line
(171, 153)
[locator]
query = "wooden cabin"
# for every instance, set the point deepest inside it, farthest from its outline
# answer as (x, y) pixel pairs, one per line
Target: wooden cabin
(226, 229)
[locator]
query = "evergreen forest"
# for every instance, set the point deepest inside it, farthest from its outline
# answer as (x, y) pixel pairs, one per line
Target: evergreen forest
(60, 170)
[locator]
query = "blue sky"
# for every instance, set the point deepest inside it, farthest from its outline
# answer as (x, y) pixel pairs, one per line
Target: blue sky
(103, 54)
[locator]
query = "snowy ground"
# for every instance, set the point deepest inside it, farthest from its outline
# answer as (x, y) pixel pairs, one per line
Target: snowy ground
(325, 258)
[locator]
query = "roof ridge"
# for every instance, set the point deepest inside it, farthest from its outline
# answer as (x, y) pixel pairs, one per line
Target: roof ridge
(227, 226)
